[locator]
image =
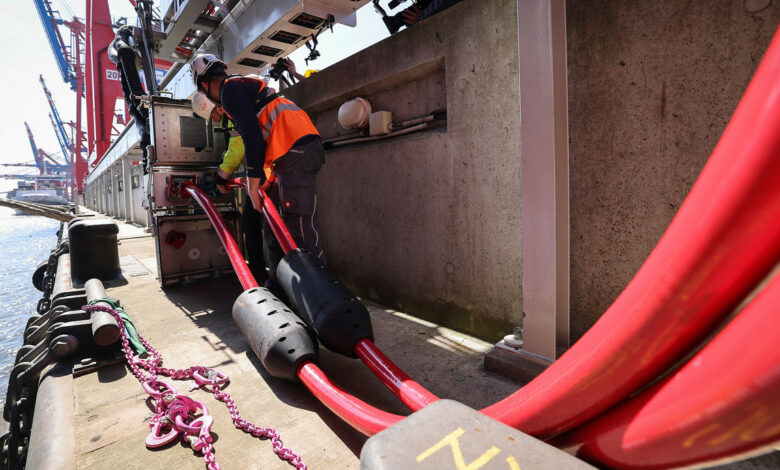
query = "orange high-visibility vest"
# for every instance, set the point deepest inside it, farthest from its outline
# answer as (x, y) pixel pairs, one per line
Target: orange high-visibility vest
(282, 123)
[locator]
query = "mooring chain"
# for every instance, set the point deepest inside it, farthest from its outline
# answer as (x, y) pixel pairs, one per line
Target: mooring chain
(172, 409)
(19, 410)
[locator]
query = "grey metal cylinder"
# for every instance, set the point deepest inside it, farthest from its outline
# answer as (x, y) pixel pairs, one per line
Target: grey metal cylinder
(105, 329)
(279, 338)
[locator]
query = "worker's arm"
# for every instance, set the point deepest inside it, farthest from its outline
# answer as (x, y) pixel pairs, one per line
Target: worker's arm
(231, 160)
(232, 157)
(238, 101)
(293, 72)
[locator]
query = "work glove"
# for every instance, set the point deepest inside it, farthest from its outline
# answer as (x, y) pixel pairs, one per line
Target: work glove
(208, 184)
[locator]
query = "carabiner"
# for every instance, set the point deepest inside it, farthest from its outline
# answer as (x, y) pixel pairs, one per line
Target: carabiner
(156, 439)
(152, 389)
(204, 435)
(213, 377)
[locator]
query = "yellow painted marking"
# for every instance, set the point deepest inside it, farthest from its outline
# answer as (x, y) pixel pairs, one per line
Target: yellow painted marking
(513, 465)
(691, 440)
(451, 440)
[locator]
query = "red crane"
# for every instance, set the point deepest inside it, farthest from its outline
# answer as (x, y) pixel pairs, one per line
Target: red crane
(70, 61)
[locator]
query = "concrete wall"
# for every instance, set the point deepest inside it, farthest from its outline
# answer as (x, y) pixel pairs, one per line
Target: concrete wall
(430, 222)
(119, 204)
(652, 85)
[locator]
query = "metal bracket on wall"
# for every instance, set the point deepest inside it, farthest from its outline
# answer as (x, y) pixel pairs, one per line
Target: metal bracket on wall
(545, 186)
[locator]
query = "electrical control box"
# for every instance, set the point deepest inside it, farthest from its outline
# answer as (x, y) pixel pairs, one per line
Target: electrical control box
(188, 248)
(163, 198)
(380, 123)
(185, 150)
(181, 138)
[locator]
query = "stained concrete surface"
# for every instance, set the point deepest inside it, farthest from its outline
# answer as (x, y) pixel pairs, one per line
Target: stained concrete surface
(651, 88)
(192, 324)
(430, 222)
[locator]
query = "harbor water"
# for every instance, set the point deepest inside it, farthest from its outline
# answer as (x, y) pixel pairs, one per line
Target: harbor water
(25, 241)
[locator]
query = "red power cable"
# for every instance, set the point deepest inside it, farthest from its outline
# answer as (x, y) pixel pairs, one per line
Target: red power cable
(280, 231)
(358, 414)
(722, 403)
(245, 276)
(712, 254)
(412, 394)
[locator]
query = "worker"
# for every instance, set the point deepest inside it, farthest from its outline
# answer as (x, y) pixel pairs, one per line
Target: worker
(282, 146)
(214, 185)
(293, 73)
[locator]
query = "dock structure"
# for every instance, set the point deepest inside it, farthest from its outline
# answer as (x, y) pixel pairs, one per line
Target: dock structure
(516, 163)
(192, 325)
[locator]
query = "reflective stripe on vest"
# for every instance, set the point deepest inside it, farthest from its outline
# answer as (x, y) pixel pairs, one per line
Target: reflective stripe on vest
(279, 105)
(281, 123)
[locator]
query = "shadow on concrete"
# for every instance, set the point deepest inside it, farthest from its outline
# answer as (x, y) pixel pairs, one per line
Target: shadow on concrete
(448, 364)
(209, 305)
(112, 373)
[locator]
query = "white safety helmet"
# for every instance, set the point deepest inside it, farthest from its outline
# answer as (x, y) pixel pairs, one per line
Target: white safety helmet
(202, 65)
(202, 105)
(354, 113)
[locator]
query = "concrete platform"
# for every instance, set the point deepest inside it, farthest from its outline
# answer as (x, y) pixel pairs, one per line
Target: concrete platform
(192, 324)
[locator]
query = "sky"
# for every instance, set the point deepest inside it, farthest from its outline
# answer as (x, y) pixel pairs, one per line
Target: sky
(27, 54)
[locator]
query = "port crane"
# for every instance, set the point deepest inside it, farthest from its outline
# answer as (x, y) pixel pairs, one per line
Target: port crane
(40, 157)
(69, 61)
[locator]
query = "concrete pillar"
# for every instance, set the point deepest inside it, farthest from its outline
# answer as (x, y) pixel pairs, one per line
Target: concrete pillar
(116, 175)
(102, 194)
(104, 189)
(114, 192)
(128, 187)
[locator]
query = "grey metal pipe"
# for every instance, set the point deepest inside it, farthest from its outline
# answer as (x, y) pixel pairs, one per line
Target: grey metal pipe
(105, 330)
(52, 439)
(409, 130)
(344, 137)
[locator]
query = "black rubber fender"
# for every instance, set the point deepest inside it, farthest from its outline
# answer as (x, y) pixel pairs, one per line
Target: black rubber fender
(323, 302)
(37, 277)
(277, 336)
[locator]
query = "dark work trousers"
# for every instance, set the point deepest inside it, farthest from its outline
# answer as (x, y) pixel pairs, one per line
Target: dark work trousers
(252, 222)
(295, 196)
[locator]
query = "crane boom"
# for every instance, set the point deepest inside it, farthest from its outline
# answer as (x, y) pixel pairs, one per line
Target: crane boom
(36, 155)
(50, 20)
(59, 127)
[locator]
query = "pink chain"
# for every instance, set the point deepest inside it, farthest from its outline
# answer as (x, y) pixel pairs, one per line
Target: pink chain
(169, 405)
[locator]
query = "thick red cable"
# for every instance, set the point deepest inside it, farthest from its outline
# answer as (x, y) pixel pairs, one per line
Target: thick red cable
(358, 414)
(724, 240)
(355, 412)
(411, 393)
(722, 403)
(714, 252)
(234, 253)
(272, 216)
